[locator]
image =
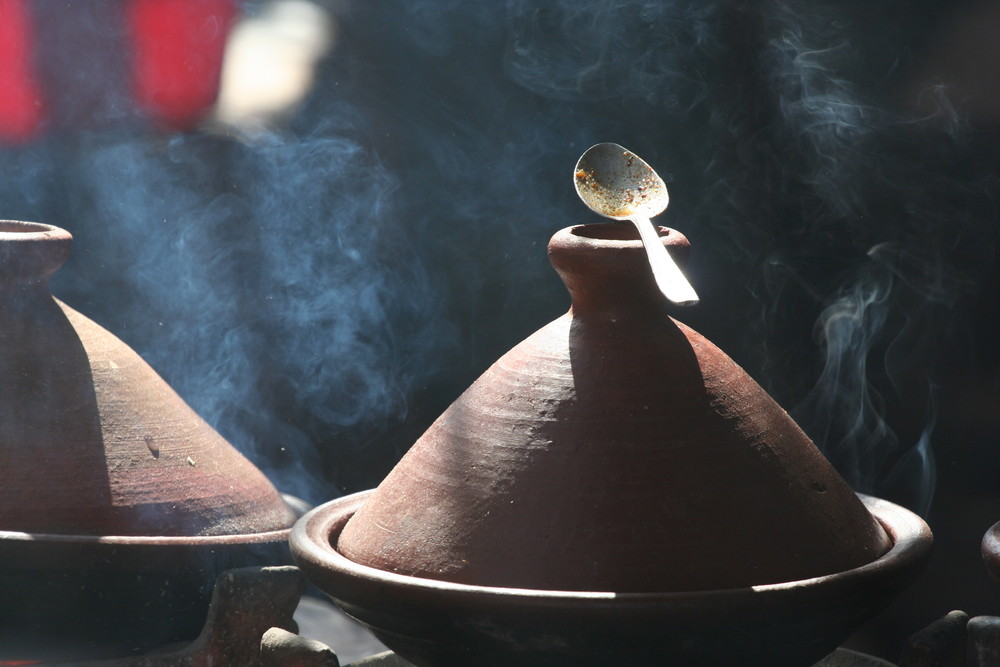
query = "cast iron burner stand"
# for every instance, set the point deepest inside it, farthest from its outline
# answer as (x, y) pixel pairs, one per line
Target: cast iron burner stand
(955, 640)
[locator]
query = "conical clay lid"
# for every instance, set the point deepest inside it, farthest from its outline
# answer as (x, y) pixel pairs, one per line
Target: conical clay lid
(618, 450)
(92, 440)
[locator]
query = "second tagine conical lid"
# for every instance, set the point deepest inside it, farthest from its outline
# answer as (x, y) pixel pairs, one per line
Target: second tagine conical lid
(92, 441)
(615, 449)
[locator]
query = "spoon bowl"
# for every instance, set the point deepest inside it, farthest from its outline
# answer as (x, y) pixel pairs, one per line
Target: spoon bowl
(616, 183)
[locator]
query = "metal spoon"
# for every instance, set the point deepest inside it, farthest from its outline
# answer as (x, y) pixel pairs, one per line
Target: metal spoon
(618, 184)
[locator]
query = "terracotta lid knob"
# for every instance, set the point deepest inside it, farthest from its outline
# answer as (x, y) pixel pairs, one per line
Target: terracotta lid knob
(30, 252)
(604, 266)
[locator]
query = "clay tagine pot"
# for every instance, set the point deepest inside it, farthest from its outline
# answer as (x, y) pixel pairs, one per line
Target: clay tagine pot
(617, 442)
(614, 465)
(111, 487)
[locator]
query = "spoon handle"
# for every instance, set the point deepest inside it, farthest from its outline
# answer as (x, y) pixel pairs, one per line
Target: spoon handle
(667, 274)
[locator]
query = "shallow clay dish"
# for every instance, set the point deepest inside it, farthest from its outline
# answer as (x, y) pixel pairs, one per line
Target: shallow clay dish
(439, 623)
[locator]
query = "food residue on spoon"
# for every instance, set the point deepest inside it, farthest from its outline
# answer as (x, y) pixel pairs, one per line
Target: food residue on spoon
(616, 202)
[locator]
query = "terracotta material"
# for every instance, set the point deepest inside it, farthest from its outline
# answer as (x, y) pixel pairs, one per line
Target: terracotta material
(92, 441)
(118, 504)
(615, 450)
(440, 623)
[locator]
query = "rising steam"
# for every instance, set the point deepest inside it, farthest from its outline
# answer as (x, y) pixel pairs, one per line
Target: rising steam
(321, 291)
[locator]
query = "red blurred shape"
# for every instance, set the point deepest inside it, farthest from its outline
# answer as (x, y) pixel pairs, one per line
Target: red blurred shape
(21, 109)
(177, 56)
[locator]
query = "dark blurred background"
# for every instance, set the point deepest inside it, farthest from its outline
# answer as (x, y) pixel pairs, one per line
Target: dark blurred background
(323, 257)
